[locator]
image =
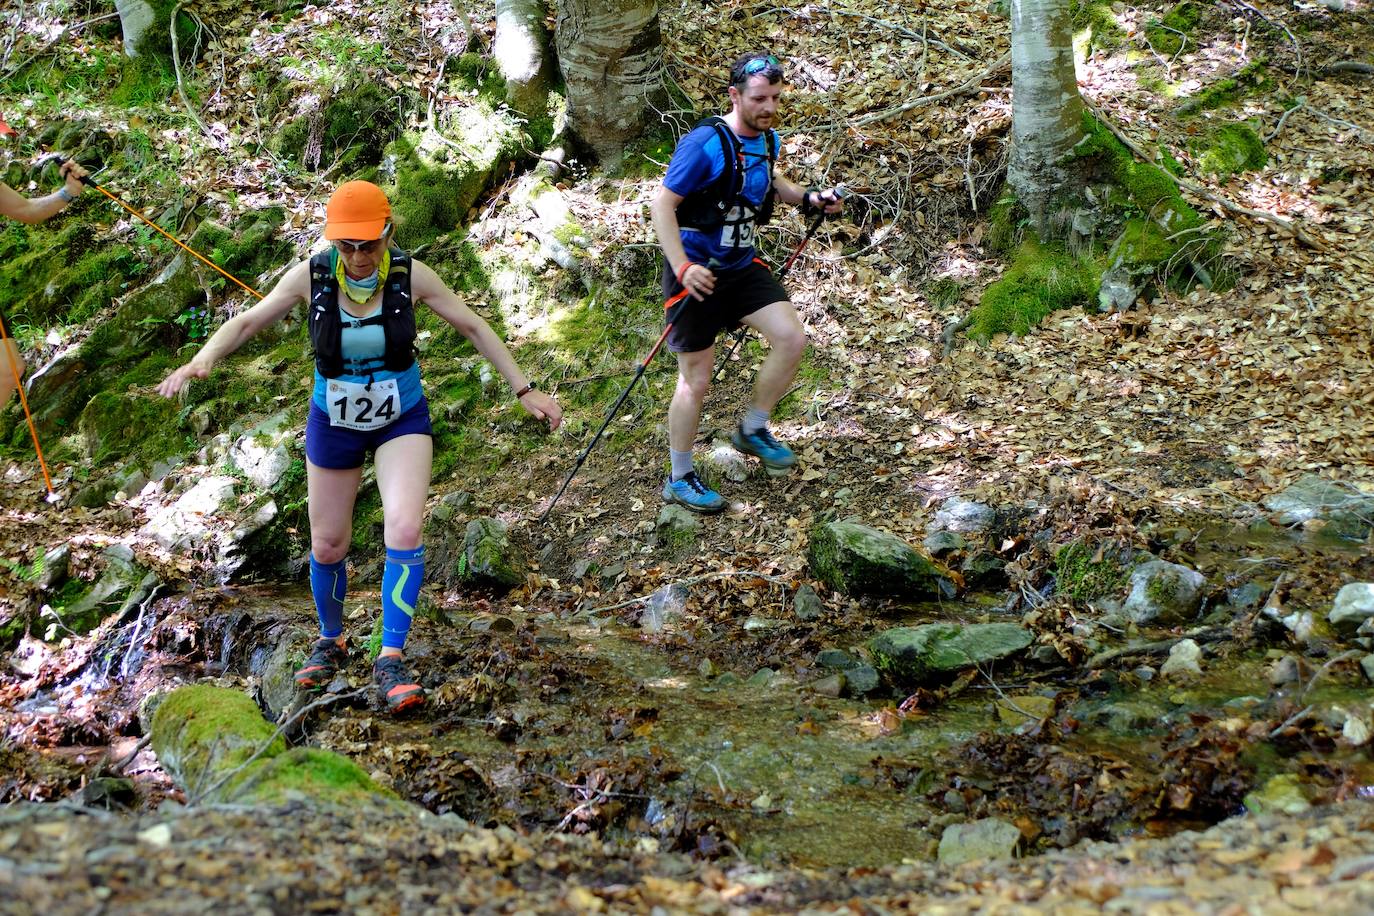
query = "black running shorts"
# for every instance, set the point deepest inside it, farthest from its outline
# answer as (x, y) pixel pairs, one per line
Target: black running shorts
(738, 293)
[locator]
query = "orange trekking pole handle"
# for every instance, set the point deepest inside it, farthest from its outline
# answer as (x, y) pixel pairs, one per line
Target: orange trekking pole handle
(86, 180)
(23, 399)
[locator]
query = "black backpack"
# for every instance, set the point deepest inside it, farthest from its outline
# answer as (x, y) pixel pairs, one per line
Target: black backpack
(705, 208)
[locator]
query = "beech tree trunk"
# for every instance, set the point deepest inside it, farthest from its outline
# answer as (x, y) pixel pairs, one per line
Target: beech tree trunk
(521, 50)
(144, 24)
(611, 53)
(1047, 111)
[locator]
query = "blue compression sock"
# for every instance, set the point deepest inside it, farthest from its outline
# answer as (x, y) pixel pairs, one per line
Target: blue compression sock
(329, 585)
(401, 579)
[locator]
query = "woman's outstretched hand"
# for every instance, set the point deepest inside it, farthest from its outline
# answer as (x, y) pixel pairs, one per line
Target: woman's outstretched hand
(176, 383)
(539, 404)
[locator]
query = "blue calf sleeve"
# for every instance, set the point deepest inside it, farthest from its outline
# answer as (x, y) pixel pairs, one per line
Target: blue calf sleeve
(401, 579)
(329, 585)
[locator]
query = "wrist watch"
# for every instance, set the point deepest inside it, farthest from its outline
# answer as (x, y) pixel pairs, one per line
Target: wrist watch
(66, 195)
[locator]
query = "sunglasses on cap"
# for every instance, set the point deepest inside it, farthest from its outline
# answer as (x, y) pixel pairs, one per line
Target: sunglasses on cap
(368, 247)
(766, 65)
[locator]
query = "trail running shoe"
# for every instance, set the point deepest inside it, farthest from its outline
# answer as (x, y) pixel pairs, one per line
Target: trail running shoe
(324, 662)
(396, 684)
(691, 491)
(762, 445)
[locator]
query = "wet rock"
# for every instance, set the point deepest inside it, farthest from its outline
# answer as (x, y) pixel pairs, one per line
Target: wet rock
(806, 604)
(1145, 673)
(984, 570)
(859, 560)
(1119, 289)
(676, 524)
(492, 561)
(263, 452)
(938, 543)
(109, 792)
(1184, 660)
(1130, 716)
(1163, 594)
(1281, 794)
(832, 686)
(664, 605)
(1287, 670)
(861, 680)
(122, 585)
(1346, 511)
(188, 521)
(963, 516)
(1354, 605)
(1018, 710)
(277, 689)
(707, 668)
(1244, 597)
(837, 659)
(491, 623)
(761, 678)
(762, 624)
(913, 655)
(989, 838)
(56, 563)
(724, 461)
(1367, 666)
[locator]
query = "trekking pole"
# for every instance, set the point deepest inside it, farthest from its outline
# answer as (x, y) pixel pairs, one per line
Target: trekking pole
(743, 330)
(639, 373)
(86, 180)
(23, 399)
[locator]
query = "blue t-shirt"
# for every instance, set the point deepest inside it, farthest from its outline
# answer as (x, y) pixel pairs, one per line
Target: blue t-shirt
(363, 348)
(698, 161)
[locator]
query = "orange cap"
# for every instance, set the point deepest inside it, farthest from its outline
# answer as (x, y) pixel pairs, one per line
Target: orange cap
(357, 210)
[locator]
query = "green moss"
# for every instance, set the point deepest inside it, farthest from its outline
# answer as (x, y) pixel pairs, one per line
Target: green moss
(1169, 34)
(1083, 575)
(201, 731)
(349, 131)
(318, 775)
(1248, 79)
(1097, 19)
(1005, 221)
(115, 425)
(1041, 279)
(474, 74)
(1162, 589)
(944, 292)
(1142, 243)
(1230, 149)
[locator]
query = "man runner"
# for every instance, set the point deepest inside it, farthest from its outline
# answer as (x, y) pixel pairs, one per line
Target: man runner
(704, 216)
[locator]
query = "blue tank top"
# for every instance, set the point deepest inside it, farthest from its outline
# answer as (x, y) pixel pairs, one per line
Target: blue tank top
(362, 348)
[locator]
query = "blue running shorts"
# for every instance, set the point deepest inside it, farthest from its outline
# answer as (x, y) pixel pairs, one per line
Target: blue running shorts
(341, 449)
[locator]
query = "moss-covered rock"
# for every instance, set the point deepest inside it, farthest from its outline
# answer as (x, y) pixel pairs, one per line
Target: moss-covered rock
(489, 559)
(349, 129)
(122, 584)
(859, 560)
(438, 178)
(1042, 278)
(1164, 594)
(1086, 574)
(1228, 90)
(202, 734)
(916, 655)
(1230, 149)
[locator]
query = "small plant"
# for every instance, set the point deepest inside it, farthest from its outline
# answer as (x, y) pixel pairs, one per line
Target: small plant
(196, 321)
(374, 640)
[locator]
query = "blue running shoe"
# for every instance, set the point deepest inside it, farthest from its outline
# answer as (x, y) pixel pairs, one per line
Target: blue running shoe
(691, 491)
(773, 454)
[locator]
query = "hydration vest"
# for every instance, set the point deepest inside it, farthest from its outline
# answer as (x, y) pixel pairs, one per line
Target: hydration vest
(397, 317)
(705, 209)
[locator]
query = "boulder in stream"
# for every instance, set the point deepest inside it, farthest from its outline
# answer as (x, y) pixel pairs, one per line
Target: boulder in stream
(489, 558)
(1164, 593)
(1346, 511)
(859, 560)
(915, 655)
(989, 838)
(1354, 605)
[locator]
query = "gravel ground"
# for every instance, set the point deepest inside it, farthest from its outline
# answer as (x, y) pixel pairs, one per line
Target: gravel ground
(57, 860)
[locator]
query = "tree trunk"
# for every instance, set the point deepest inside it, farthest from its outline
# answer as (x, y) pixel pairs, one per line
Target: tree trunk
(521, 52)
(144, 23)
(611, 53)
(1047, 111)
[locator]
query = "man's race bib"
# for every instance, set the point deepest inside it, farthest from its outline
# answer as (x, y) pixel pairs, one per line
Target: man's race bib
(738, 231)
(355, 405)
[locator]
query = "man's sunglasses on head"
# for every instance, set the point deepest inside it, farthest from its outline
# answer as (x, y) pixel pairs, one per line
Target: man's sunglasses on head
(767, 65)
